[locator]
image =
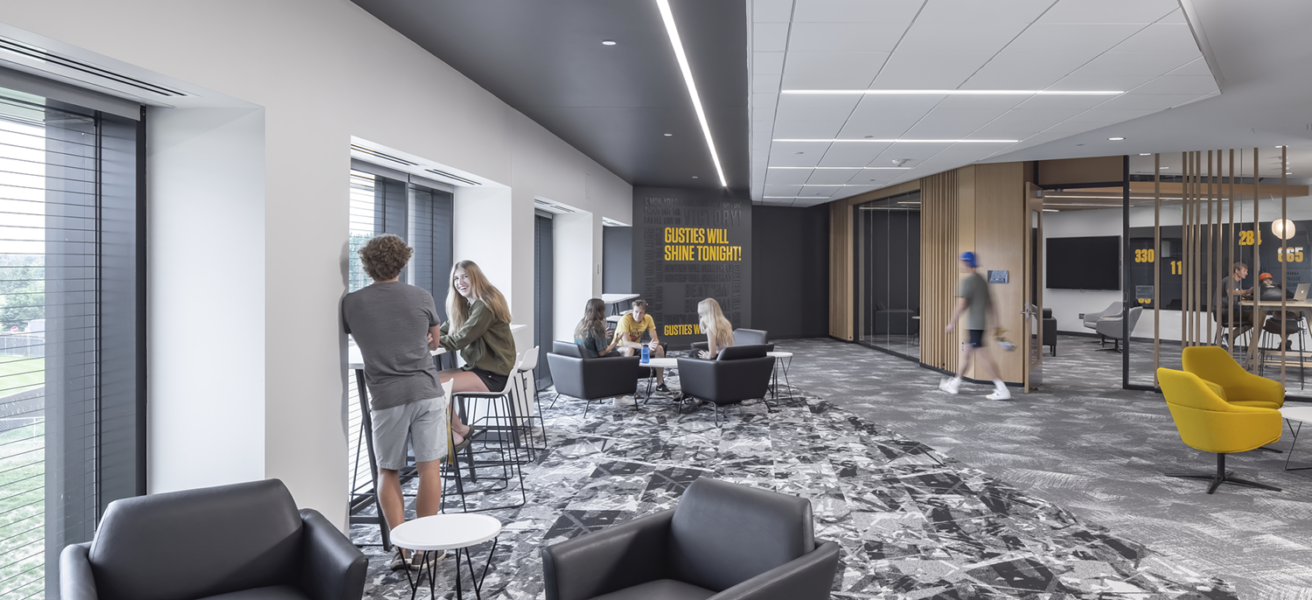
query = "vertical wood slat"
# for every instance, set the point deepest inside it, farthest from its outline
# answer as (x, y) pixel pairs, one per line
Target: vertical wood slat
(1184, 249)
(1284, 257)
(1211, 241)
(939, 228)
(1157, 264)
(1230, 243)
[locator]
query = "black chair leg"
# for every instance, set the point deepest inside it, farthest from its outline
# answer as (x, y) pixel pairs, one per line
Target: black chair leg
(1222, 476)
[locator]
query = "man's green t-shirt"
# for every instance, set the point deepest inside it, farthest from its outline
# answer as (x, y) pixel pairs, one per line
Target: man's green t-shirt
(976, 292)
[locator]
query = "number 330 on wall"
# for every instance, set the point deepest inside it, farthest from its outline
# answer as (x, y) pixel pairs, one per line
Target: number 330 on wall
(1145, 255)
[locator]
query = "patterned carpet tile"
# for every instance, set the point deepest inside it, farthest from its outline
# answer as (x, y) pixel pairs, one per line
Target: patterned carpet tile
(911, 522)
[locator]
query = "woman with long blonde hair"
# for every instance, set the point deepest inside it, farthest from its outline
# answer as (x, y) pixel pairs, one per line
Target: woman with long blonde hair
(478, 327)
(718, 330)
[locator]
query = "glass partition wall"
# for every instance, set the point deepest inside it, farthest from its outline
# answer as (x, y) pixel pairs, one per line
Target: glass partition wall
(1185, 234)
(888, 274)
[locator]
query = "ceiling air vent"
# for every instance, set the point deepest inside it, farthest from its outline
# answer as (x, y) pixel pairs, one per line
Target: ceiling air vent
(383, 155)
(85, 71)
(463, 180)
(551, 206)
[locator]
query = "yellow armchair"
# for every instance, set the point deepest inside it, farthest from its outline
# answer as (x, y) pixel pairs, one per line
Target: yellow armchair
(1214, 364)
(1209, 423)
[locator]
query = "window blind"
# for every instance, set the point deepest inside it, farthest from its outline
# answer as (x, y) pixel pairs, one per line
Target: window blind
(72, 368)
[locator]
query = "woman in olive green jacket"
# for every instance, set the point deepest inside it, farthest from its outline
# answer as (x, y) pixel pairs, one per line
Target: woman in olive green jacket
(478, 327)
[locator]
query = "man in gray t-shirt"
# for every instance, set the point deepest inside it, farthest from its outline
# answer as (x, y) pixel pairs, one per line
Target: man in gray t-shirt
(395, 326)
(974, 300)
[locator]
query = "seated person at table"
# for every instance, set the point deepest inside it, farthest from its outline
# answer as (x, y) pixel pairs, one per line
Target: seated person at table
(1270, 292)
(396, 326)
(591, 333)
(479, 328)
(1233, 290)
(718, 330)
(629, 335)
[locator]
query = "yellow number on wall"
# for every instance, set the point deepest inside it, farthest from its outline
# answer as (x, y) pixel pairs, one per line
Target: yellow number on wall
(1246, 238)
(1291, 254)
(1144, 255)
(1177, 267)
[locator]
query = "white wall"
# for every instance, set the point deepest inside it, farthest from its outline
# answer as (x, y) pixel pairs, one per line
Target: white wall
(211, 161)
(1066, 305)
(574, 260)
(305, 63)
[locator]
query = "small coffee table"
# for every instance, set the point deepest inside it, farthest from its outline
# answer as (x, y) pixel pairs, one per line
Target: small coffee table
(1292, 414)
(779, 362)
(447, 532)
(655, 363)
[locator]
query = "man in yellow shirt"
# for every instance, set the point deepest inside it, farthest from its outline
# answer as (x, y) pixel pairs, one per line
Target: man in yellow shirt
(629, 335)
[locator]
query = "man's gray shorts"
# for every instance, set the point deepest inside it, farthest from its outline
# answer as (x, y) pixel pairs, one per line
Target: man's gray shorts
(423, 422)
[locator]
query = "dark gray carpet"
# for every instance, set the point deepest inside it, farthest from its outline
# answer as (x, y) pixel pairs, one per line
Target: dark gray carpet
(913, 521)
(1088, 446)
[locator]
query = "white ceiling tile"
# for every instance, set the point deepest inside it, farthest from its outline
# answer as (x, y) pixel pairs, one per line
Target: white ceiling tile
(767, 63)
(784, 154)
(765, 102)
(765, 84)
(807, 129)
(806, 203)
(1108, 11)
(1176, 16)
(1081, 81)
(830, 176)
(775, 11)
(935, 129)
(786, 176)
(912, 70)
(1064, 102)
(1137, 63)
(831, 70)
(852, 155)
(1161, 37)
(769, 37)
(831, 104)
(1179, 84)
(1074, 38)
(848, 11)
(881, 130)
(1139, 101)
(977, 12)
(997, 104)
(1035, 119)
(970, 38)
(1111, 116)
(990, 78)
(845, 37)
(834, 117)
(816, 191)
(1061, 60)
(1197, 67)
(878, 109)
(1006, 131)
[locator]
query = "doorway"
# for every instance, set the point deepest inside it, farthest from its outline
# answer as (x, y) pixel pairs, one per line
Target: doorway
(543, 289)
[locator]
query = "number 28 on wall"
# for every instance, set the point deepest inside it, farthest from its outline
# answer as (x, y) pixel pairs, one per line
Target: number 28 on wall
(1145, 255)
(1246, 238)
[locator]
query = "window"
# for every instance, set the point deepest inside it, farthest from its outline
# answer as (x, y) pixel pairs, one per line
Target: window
(72, 351)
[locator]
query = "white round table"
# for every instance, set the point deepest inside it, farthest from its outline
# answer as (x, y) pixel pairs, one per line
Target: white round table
(655, 363)
(779, 358)
(447, 532)
(1301, 414)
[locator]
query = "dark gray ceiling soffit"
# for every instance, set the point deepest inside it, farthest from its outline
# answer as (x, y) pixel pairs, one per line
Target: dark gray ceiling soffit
(613, 103)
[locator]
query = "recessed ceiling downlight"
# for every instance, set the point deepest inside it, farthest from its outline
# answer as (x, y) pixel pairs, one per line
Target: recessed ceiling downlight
(608, 42)
(1115, 139)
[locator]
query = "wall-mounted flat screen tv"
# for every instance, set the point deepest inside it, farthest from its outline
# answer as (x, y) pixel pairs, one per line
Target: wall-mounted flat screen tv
(1084, 263)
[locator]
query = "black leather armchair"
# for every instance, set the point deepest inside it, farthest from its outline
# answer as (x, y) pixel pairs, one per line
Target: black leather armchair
(723, 541)
(741, 337)
(1050, 330)
(246, 537)
(738, 373)
(592, 378)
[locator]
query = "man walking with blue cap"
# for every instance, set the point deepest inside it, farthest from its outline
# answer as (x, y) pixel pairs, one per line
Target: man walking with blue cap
(974, 300)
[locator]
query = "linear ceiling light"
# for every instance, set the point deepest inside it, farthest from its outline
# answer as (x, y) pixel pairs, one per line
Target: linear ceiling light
(827, 141)
(668, 17)
(959, 92)
(849, 168)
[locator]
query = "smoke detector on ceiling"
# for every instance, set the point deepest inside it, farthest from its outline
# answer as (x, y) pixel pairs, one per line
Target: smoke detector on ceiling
(897, 162)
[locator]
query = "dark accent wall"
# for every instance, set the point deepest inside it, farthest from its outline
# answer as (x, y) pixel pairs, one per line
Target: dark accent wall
(790, 279)
(689, 245)
(617, 260)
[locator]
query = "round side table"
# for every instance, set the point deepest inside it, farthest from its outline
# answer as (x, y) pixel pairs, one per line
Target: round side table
(652, 364)
(780, 364)
(456, 532)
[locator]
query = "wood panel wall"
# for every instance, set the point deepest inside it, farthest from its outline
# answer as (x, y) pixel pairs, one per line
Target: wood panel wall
(977, 207)
(939, 239)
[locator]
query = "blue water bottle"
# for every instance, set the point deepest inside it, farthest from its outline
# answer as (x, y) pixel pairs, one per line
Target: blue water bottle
(646, 354)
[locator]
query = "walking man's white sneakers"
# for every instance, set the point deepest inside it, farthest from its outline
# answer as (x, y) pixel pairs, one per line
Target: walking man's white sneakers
(950, 385)
(1000, 392)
